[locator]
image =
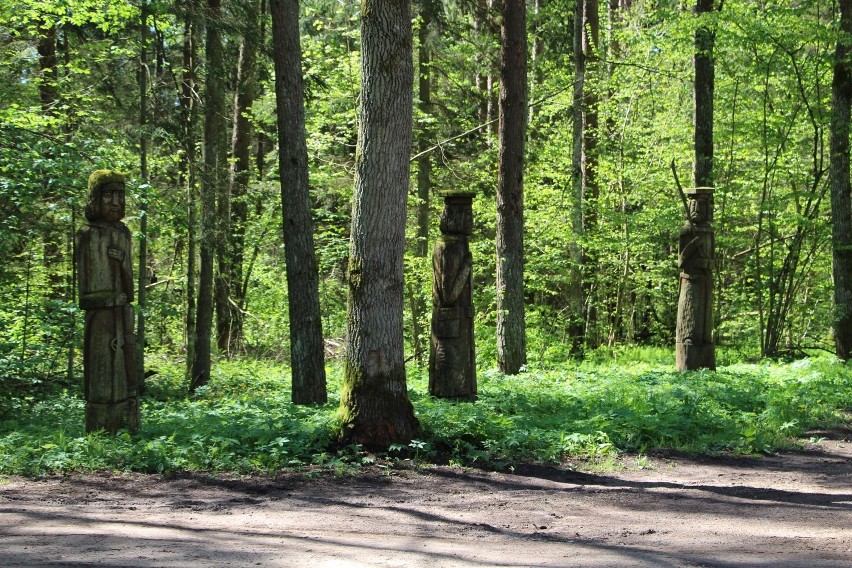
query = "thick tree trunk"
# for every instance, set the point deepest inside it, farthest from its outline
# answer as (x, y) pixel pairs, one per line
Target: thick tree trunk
(374, 400)
(841, 202)
(213, 179)
(511, 326)
(306, 344)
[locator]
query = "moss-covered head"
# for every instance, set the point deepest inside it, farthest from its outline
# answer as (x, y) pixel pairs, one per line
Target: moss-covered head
(106, 196)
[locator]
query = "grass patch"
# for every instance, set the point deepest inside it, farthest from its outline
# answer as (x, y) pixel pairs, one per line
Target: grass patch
(243, 420)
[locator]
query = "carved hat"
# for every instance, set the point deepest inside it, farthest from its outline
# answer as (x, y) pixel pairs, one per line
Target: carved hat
(97, 180)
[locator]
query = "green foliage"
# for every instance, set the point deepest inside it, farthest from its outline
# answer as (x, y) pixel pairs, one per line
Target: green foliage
(243, 420)
(594, 410)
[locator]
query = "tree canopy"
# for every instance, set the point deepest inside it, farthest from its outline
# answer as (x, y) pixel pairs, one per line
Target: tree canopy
(70, 104)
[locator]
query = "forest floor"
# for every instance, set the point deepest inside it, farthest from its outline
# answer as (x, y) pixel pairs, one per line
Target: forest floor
(793, 509)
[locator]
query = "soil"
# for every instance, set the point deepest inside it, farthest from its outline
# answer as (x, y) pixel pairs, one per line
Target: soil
(788, 510)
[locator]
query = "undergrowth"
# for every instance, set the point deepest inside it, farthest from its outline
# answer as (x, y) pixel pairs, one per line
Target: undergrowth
(243, 420)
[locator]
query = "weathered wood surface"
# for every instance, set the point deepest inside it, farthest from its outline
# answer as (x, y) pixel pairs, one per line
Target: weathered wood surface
(452, 359)
(105, 276)
(694, 348)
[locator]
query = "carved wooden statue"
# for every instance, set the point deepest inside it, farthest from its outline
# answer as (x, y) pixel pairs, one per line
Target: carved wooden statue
(105, 277)
(694, 347)
(452, 361)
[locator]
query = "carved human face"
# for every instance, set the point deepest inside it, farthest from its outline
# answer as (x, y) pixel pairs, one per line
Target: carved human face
(111, 202)
(457, 218)
(699, 209)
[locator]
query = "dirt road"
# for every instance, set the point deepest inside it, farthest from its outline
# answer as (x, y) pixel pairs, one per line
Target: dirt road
(790, 510)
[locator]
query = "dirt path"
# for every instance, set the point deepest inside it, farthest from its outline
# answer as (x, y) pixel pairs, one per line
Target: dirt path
(792, 510)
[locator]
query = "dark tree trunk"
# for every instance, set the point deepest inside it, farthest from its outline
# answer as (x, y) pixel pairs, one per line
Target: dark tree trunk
(511, 326)
(705, 37)
(376, 410)
(694, 347)
(424, 164)
(212, 182)
(306, 344)
(143, 203)
(584, 166)
(841, 203)
(424, 174)
(48, 90)
(229, 298)
(188, 177)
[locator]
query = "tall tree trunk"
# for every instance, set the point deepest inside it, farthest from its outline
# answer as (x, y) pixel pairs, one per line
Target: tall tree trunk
(424, 163)
(229, 298)
(576, 301)
(48, 90)
(535, 53)
(511, 325)
(584, 166)
(491, 100)
(705, 37)
(212, 182)
(375, 407)
(480, 27)
(143, 203)
(188, 177)
(694, 348)
(261, 78)
(841, 202)
(591, 188)
(306, 344)
(424, 173)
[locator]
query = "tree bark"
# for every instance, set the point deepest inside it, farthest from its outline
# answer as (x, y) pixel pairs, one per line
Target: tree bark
(48, 89)
(229, 298)
(424, 163)
(584, 166)
(705, 38)
(306, 343)
(694, 347)
(511, 325)
(188, 110)
(213, 179)
(424, 173)
(841, 202)
(142, 278)
(376, 410)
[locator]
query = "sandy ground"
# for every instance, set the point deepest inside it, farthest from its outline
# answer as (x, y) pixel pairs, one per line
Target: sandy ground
(790, 510)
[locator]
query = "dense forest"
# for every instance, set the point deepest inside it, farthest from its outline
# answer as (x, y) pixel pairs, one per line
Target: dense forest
(234, 119)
